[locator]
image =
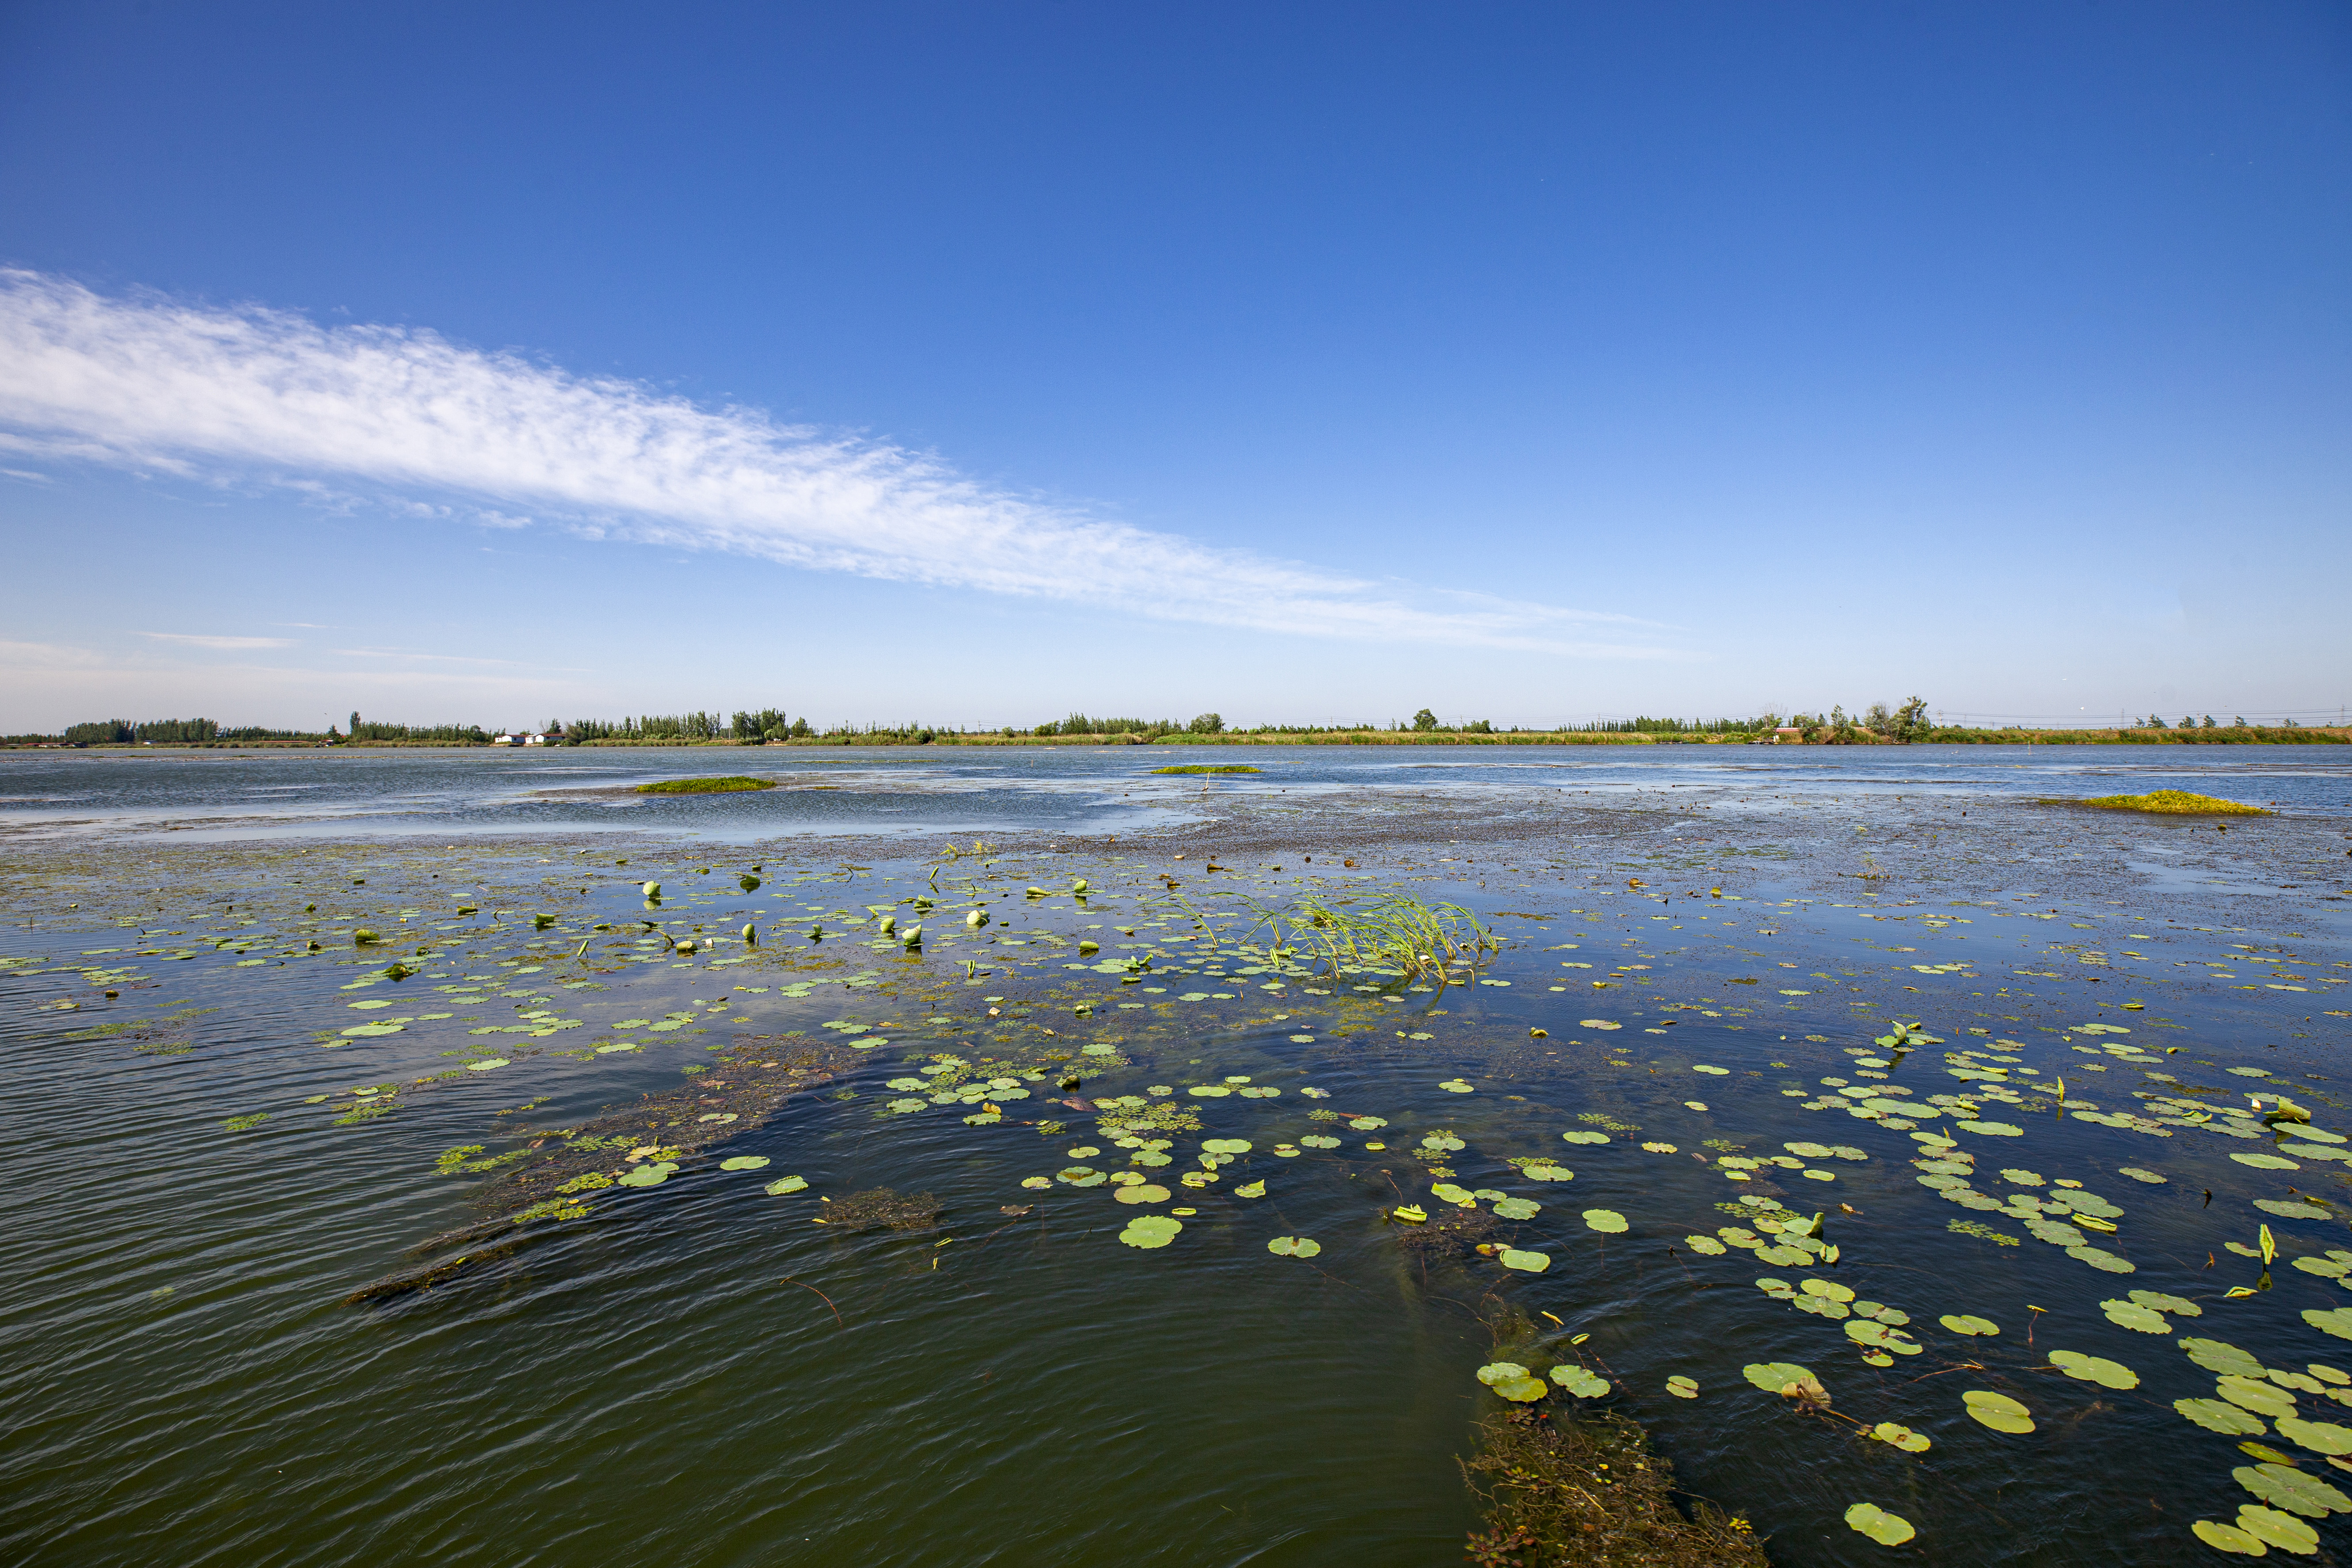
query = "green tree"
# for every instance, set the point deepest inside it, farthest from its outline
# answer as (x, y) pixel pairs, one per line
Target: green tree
(1207, 724)
(1424, 720)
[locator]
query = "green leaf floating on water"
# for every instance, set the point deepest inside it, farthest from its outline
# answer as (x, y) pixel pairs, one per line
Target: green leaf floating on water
(1998, 1411)
(1512, 1380)
(1541, 1171)
(2228, 1538)
(1150, 1230)
(2338, 1322)
(1704, 1244)
(1774, 1376)
(1581, 1136)
(1518, 1208)
(2266, 1161)
(2095, 1369)
(1992, 1129)
(1314, 1141)
(2288, 1209)
(1968, 1323)
(2273, 1527)
(1683, 1387)
(1225, 1145)
(2283, 1486)
(369, 1031)
(745, 1162)
(2157, 1301)
(1608, 1221)
(1523, 1261)
(652, 1174)
(1153, 1192)
(2259, 1396)
(784, 1185)
(1294, 1247)
(2217, 1356)
(2215, 1415)
(1581, 1382)
(1884, 1528)
(1900, 1436)
(2319, 1437)
(2131, 1315)
(1448, 1192)
(486, 1065)
(1254, 1190)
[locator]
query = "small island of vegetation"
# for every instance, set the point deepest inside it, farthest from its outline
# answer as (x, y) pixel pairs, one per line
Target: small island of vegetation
(2174, 803)
(733, 784)
(1205, 768)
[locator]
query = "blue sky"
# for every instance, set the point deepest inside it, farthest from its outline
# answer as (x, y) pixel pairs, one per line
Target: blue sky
(972, 364)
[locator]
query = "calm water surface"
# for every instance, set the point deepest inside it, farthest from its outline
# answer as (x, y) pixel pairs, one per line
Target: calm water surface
(694, 1372)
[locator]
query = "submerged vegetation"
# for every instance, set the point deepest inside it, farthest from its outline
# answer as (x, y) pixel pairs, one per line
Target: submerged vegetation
(1588, 1491)
(734, 783)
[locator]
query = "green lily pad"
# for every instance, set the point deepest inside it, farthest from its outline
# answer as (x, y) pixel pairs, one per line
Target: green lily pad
(1523, 1390)
(651, 1175)
(1526, 1262)
(2217, 1356)
(1447, 1191)
(1608, 1221)
(2319, 1437)
(746, 1162)
(2157, 1301)
(1313, 1140)
(2259, 1396)
(2286, 1208)
(2271, 1528)
(1581, 1136)
(1968, 1323)
(1682, 1387)
(1142, 1193)
(1884, 1528)
(2228, 1538)
(2217, 1416)
(2283, 1485)
(2265, 1162)
(784, 1185)
(1774, 1376)
(1456, 1086)
(2337, 1322)
(485, 1065)
(1150, 1230)
(2100, 1258)
(1992, 1129)
(1254, 1190)
(1829, 1290)
(370, 1031)
(1900, 1436)
(2095, 1369)
(1578, 1380)
(1518, 1208)
(1998, 1411)
(1540, 1171)
(2133, 1316)
(1225, 1145)
(1294, 1247)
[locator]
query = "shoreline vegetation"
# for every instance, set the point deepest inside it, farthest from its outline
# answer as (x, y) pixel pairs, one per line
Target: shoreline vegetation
(1908, 725)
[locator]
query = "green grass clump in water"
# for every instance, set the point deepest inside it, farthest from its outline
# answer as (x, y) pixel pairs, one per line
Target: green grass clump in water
(729, 785)
(2176, 803)
(1207, 768)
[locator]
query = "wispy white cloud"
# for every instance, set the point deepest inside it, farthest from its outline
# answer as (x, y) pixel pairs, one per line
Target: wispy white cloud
(198, 639)
(157, 384)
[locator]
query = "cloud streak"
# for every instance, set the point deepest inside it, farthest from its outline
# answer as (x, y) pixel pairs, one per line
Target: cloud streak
(198, 639)
(153, 383)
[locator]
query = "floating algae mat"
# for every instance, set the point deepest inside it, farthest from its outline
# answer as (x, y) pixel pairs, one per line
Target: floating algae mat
(732, 784)
(1692, 1203)
(2170, 802)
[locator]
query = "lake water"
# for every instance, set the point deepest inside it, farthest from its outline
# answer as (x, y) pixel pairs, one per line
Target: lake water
(1713, 940)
